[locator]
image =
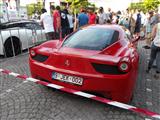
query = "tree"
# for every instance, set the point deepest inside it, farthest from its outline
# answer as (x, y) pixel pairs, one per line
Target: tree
(77, 4)
(146, 5)
(137, 6)
(151, 4)
(31, 8)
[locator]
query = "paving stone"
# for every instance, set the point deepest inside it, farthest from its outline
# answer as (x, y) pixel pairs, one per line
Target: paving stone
(29, 101)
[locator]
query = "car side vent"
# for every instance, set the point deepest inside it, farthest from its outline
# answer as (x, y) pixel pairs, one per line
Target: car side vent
(106, 69)
(40, 58)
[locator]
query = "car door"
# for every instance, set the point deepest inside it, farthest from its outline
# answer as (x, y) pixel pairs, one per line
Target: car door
(34, 34)
(39, 32)
(24, 35)
(31, 34)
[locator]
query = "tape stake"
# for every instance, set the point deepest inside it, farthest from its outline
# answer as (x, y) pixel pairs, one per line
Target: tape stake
(86, 95)
(5, 71)
(24, 77)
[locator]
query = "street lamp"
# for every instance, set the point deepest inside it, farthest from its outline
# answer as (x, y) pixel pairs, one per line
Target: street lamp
(17, 4)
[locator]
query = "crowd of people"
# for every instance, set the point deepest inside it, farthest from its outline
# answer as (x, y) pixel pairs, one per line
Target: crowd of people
(146, 25)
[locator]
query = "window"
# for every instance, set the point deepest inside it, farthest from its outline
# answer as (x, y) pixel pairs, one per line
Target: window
(37, 26)
(29, 26)
(13, 25)
(33, 26)
(92, 38)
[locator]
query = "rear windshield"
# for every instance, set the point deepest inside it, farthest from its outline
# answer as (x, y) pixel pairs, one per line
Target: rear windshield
(92, 39)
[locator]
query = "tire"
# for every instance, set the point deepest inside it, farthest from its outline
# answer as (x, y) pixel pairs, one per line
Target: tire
(8, 47)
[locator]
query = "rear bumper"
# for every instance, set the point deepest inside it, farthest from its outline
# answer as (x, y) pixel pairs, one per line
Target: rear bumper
(116, 87)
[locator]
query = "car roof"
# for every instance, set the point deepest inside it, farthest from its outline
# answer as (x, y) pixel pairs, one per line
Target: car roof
(5, 25)
(17, 21)
(110, 26)
(107, 26)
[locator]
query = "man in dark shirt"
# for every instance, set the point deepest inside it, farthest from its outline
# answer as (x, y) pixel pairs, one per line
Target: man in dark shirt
(64, 23)
(138, 23)
(82, 18)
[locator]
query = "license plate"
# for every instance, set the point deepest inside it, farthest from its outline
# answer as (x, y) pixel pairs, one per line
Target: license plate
(67, 78)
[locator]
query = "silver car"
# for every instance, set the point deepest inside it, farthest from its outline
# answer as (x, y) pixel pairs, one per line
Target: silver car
(19, 35)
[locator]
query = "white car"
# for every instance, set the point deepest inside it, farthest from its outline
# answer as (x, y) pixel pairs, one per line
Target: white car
(19, 35)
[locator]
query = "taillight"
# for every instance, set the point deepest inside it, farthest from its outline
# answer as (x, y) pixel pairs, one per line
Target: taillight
(124, 64)
(32, 52)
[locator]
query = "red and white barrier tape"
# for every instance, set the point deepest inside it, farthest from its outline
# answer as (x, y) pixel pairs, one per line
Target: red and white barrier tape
(83, 94)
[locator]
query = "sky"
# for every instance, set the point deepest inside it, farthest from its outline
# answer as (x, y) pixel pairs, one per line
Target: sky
(25, 2)
(113, 4)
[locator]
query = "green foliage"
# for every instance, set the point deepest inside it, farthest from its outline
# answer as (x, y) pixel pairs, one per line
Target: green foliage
(77, 4)
(31, 8)
(145, 6)
(151, 4)
(137, 6)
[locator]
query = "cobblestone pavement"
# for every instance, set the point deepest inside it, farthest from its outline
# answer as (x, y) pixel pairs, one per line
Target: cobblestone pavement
(21, 100)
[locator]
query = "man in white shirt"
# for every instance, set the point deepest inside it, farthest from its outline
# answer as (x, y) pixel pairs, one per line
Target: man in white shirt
(70, 20)
(103, 17)
(47, 22)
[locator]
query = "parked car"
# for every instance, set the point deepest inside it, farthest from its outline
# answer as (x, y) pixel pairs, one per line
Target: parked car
(97, 59)
(23, 33)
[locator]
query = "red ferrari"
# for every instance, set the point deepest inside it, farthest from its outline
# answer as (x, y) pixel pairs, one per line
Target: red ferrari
(99, 59)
